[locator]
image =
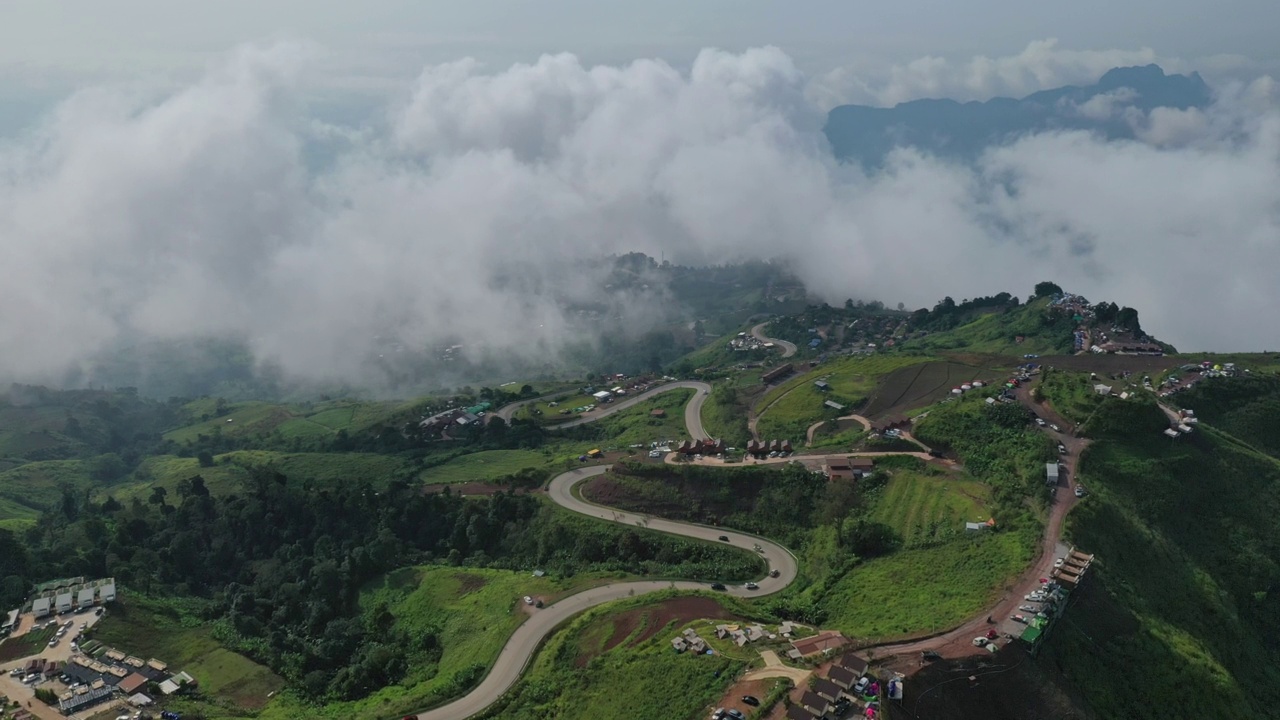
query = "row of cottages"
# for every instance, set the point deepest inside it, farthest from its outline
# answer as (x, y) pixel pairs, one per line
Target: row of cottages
(760, 449)
(851, 468)
(702, 447)
(741, 635)
(823, 693)
(690, 641)
(76, 597)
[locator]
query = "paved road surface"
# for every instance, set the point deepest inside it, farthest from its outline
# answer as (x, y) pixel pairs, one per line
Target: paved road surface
(692, 411)
(788, 349)
(525, 640)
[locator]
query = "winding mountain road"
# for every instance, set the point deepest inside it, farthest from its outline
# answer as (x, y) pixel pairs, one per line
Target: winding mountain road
(692, 410)
(528, 637)
(788, 348)
(524, 642)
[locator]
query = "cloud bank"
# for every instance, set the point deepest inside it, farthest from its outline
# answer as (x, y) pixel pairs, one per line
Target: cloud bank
(463, 212)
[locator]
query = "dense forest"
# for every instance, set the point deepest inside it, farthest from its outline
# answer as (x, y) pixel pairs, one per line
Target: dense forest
(282, 566)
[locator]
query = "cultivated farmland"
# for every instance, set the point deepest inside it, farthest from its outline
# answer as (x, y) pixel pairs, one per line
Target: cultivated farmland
(925, 509)
(916, 386)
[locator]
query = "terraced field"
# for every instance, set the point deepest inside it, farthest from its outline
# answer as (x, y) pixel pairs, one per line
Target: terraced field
(919, 385)
(926, 509)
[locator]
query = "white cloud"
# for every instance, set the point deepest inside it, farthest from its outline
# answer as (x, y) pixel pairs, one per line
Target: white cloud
(464, 212)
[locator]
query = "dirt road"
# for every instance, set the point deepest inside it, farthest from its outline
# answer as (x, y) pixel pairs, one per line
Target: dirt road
(959, 642)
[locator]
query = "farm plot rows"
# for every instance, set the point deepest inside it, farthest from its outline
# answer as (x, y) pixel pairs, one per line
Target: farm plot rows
(919, 385)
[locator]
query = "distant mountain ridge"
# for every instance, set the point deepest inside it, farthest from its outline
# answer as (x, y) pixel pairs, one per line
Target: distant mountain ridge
(962, 130)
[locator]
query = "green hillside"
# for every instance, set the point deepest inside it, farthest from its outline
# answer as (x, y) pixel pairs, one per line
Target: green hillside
(1187, 571)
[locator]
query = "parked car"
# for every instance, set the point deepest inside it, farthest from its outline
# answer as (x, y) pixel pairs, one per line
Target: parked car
(1020, 619)
(1040, 422)
(735, 714)
(717, 586)
(1080, 491)
(861, 686)
(1054, 427)
(929, 655)
(751, 700)
(528, 600)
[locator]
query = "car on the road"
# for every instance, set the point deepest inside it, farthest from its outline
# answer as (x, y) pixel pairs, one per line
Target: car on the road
(717, 586)
(723, 538)
(751, 586)
(774, 573)
(751, 700)
(1054, 427)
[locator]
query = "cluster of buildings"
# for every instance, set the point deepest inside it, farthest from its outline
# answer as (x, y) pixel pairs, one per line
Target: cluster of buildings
(439, 423)
(1183, 425)
(845, 685)
(768, 448)
(1049, 603)
(689, 641)
(70, 595)
(98, 674)
(850, 468)
(746, 343)
(752, 633)
(706, 446)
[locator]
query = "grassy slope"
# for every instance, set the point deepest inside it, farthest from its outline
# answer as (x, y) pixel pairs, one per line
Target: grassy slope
(644, 680)
(27, 489)
(797, 403)
(921, 590)
(150, 629)
(924, 509)
(485, 465)
(473, 611)
(995, 333)
(635, 425)
(1187, 549)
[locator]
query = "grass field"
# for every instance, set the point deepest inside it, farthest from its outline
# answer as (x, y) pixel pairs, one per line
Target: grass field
(471, 611)
(28, 489)
(151, 629)
(307, 420)
(544, 412)
(485, 465)
(636, 425)
(920, 385)
(788, 410)
(923, 590)
(647, 679)
(926, 509)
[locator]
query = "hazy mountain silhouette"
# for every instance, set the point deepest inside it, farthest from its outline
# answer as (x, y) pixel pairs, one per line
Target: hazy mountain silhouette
(961, 130)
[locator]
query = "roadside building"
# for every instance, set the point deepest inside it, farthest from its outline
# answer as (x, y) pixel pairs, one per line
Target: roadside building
(842, 676)
(40, 607)
(825, 688)
(132, 684)
(11, 621)
(62, 602)
(795, 712)
(822, 642)
(815, 703)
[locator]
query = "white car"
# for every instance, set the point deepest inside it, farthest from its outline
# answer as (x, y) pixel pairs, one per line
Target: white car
(528, 600)
(1054, 428)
